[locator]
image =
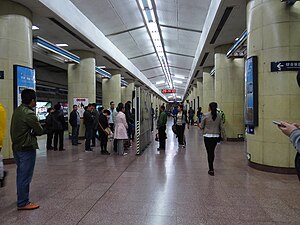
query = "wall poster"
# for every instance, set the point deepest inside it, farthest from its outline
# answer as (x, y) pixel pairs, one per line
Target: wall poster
(81, 103)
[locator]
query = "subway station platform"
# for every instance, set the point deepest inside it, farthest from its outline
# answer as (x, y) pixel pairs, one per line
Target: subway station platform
(170, 187)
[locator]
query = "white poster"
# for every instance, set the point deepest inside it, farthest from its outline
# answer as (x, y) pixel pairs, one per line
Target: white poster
(81, 103)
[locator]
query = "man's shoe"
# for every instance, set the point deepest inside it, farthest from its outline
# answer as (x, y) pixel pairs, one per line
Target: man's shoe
(78, 143)
(29, 206)
(75, 144)
(211, 172)
(62, 149)
(92, 145)
(55, 149)
(106, 153)
(89, 150)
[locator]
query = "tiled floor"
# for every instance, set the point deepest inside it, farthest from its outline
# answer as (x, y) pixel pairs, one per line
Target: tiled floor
(157, 188)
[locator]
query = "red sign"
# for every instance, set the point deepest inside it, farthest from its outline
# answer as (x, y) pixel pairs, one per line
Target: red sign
(168, 91)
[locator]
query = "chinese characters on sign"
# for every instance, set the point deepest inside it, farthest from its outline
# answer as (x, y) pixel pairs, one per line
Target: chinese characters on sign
(168, 91)
(285, 66)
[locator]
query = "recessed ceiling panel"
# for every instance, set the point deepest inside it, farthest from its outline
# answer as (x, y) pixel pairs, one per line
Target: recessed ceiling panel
(180, 61)
(102, 14)
(146, 62)
(192, 13)
(153, 72)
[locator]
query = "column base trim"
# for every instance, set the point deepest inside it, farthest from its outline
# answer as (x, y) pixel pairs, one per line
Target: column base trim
(235, 139)
(272, 169)
(9, 161)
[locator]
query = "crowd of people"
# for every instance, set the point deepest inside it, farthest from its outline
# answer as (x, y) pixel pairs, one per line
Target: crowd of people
(99, 124)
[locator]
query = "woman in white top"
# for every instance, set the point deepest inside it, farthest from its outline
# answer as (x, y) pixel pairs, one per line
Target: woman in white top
(181, 121)
(212, 126)
(121, 127)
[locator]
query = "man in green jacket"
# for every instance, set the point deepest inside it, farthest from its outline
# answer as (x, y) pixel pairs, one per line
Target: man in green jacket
(161, 126)
(24, 129)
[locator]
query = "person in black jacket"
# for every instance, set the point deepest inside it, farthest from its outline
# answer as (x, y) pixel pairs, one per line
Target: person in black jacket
(95, 113)
(75, 123)
(58, 122)
(88, 119)
(103, 124)
(49, 128)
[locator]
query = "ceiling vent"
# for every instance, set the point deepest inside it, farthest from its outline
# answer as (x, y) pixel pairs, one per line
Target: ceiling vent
(224, 18)
(204, 58)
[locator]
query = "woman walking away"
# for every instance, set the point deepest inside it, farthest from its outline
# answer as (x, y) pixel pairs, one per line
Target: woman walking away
(103, 124)
(121, 127)
(181, 121)
(212, 126)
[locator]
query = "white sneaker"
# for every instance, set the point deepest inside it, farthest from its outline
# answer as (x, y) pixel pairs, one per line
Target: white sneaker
(125, 153)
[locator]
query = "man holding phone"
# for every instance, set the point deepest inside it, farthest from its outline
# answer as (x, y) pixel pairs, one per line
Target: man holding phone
(292, 130)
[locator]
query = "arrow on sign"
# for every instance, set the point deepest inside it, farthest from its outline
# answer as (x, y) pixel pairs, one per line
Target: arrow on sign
(279, 66)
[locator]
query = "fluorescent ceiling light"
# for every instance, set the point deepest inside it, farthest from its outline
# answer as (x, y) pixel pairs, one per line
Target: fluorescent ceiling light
(160, 82)
(179, 77)
(62, 45)
(35, 27)
(177, 81)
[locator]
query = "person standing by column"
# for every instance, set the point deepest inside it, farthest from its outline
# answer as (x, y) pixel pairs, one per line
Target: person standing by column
(75, 124)
(2, 132)
(161, 126)
(181, 121)
(24, 129)
(49, 128)
(121, 127)
(212, 127)
(96, 124)
(103, 124)
(58, 121)
(112, 117)
(88, 119)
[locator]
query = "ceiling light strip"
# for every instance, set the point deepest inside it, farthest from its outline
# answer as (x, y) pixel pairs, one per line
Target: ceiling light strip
(55, 49)
(149, 17)
(103, 72)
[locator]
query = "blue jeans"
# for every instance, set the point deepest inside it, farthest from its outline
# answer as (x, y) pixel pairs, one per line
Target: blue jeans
(75, 132)
(25, 161)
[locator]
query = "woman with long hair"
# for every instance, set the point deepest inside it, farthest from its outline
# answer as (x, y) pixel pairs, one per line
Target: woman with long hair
(212, 126)
(121, 127)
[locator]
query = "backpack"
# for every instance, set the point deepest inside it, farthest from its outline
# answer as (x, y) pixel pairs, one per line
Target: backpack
(222, 115)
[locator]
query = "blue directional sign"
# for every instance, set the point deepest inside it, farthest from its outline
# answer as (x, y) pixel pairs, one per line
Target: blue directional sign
(285, 66)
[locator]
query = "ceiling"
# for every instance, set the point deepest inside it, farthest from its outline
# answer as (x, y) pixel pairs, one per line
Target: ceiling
(181, 23)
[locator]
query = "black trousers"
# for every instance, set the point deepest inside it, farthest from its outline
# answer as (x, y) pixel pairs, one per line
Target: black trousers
(94, 136)
(162, 137)
(210, 145)
(88, 137)
(180, 133)
(58, 136)
(297, 164)
(103, 142)
(49, 139)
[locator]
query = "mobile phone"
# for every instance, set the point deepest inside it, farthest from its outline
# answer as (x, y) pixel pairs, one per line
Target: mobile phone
(278, 123)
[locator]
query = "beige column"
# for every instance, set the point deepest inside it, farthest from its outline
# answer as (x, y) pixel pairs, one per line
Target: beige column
(208, 88)
(127, 93)
(200, 93)
(15, 49)
(229, 90)
(82, 82)
(111, 90)
(273, 35)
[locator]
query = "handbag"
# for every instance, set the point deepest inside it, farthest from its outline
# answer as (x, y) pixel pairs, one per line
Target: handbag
(174, 129)
(107, 130)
